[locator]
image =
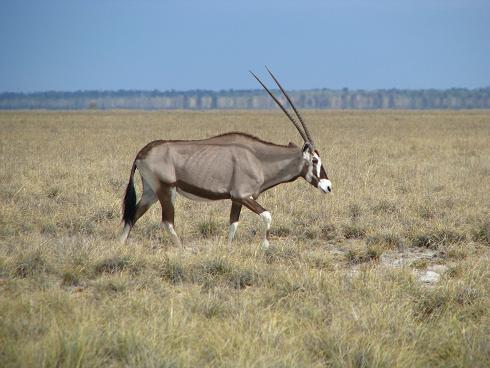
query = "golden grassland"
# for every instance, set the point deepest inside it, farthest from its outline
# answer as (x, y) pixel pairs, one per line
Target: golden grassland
(338, 287)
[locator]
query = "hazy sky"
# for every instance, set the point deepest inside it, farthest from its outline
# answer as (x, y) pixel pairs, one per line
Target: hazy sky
(191, 44)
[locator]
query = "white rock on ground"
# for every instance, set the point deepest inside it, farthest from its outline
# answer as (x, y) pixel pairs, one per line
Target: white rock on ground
(429, 277)
(439, 268)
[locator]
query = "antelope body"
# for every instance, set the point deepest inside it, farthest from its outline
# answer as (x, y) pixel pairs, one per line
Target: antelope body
(234, 166)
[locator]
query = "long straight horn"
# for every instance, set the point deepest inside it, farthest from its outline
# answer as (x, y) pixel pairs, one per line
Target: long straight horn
(295, 123)
(307, 132)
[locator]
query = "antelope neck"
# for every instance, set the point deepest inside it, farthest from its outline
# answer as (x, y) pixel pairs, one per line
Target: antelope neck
(283, 167)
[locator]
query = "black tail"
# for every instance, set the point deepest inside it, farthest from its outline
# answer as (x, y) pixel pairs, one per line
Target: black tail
(129, 201)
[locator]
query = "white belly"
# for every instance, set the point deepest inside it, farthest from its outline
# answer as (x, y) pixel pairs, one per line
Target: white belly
(192, 196)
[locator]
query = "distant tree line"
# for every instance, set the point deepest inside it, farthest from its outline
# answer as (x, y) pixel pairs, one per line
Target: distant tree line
(456, 98)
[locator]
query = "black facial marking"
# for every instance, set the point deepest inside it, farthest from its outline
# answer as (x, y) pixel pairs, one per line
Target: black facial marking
(323, 173)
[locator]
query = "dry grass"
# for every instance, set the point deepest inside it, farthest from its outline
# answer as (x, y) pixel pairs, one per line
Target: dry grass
(322, 295)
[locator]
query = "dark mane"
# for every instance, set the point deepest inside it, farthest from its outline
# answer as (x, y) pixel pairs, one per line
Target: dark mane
(251, 137)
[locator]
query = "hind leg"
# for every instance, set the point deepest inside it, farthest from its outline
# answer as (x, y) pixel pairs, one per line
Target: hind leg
(147, 199)
(166, 196)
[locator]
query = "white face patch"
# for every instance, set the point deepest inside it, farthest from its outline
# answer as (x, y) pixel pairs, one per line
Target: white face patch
(310, 158)
(318, 165)
(309, 173)
(325, 185)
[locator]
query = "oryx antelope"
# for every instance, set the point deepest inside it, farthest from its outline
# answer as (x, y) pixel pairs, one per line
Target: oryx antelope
(235, 166)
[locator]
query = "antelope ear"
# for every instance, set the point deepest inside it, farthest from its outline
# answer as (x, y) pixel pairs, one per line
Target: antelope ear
(307, 147)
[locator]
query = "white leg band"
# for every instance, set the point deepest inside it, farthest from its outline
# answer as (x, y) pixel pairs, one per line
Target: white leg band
(125, 233)
(267, 218)
(232, 232)
(171, 231)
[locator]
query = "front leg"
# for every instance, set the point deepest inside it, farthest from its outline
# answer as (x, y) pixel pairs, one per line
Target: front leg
(252, 205)
(234, 216)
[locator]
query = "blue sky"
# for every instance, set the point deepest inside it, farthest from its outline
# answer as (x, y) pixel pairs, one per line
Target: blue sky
(191, 44)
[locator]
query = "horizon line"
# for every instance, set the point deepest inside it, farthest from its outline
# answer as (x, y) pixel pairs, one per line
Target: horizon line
(172, 90)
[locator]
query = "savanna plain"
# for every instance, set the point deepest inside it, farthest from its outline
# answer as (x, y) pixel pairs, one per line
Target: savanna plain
(392, 270)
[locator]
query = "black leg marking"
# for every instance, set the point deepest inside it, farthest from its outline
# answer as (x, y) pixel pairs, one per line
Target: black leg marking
(234, 217)
(235, 212)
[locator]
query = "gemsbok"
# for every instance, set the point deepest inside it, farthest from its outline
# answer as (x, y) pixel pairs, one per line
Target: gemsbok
(235, 166)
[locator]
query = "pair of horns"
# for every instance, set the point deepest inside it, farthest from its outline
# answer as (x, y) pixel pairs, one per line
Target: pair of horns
(304, 132)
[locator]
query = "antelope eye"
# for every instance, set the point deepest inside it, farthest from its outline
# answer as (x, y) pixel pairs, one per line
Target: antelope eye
(315, 161)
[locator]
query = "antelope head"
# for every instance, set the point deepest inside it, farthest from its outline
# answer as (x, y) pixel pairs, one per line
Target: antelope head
(313, 172)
